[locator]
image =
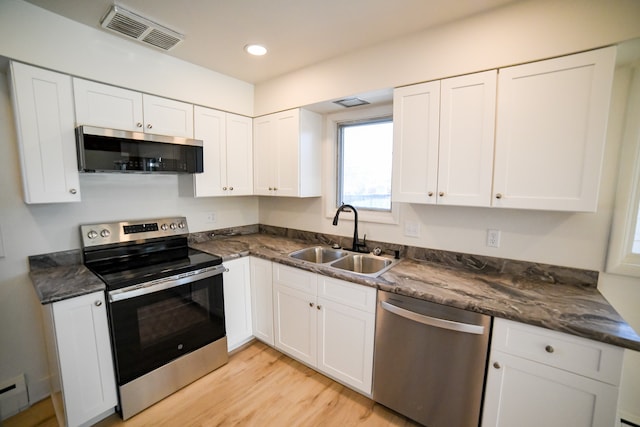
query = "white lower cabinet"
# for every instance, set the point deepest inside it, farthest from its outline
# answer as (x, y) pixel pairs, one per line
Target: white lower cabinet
(326, 323)
(537, 377)
(237, 302)
(83, 387)
(262, 300)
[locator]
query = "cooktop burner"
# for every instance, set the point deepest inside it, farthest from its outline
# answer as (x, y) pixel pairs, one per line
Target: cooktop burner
(127, 253)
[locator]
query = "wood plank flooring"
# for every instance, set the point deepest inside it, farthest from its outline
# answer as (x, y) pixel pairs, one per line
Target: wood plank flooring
(261, 387)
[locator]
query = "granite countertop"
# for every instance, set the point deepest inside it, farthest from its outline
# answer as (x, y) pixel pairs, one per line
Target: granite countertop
(62, 275)
(575, 307)
(555, 298)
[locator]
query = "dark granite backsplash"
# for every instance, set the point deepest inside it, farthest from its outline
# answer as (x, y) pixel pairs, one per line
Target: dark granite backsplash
(474, 263)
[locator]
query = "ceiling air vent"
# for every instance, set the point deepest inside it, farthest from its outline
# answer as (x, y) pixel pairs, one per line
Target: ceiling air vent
(351, 102)
(135, 26)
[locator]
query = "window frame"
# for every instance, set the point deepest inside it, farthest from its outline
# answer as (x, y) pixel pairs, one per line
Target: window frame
(620, 258)
(340, 158)
(331, 169)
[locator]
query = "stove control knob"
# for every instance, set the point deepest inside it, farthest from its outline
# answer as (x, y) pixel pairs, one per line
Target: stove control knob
(105, 233)
(164, 227)
(92, 234)
(181, 224)
(172, 226)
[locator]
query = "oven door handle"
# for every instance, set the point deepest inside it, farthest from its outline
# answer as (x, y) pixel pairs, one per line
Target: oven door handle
(165, 283)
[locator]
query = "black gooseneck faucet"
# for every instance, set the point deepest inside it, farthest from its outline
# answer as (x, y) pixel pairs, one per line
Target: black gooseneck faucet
(348, 208)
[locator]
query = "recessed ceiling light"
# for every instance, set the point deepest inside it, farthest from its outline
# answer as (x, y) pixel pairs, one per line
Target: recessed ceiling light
(255, 49)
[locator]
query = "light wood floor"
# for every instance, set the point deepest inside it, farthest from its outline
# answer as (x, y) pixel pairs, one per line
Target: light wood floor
(258, 387)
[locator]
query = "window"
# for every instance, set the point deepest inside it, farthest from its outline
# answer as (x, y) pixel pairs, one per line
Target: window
(364, 164)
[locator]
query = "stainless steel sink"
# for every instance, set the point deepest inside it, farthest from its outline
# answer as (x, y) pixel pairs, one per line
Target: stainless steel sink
(319, 254)
(365, 264)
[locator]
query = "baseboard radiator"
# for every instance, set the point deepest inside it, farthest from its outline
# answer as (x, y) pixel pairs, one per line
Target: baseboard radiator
(13, 396)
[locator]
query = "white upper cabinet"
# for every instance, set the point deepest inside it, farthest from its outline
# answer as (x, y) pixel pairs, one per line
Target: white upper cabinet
(416, 116)
(43, 108)
(287, 154)
(113, 107)
(443, 141)
(467, 129)
(550, 135)
(167, 117)
(107, 106)
(227, 154)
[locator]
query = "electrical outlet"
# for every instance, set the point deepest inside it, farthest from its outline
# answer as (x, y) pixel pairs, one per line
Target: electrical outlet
(412, 229)
(212, 217)
(493, 238)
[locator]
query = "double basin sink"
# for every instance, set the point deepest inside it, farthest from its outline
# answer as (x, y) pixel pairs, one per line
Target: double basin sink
(361, 264)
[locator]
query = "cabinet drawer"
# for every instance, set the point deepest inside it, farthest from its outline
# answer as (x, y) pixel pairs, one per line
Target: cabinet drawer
(295, 278)
(350, 294)
(582, 356)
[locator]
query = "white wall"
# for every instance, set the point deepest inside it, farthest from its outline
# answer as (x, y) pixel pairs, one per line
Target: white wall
(32, 35)
(521, 32)
(517, 33)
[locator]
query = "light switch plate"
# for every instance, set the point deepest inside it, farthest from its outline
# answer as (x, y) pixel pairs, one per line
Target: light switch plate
(412, 228)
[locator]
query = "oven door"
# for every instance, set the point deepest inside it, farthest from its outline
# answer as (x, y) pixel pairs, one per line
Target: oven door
(158, 322)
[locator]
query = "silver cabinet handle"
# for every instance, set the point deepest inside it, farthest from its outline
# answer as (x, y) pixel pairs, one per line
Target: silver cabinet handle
(98, 303)
(139, 124)
(149, 126)
(73, 191)
(498, 195)
(224, 188)
(432, 321)
(496, 365)
(311, 304)
(441, 194)
(319, 307)
(430, 194)
(549, 349)
(231, 188)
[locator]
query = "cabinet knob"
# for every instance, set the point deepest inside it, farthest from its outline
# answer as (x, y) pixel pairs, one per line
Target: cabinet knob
(430, 193)
(319, 307)
(549, 349)
(224, 188)
(270, 188)
(98, 303)
(496, 365)
(149, 126)
(139, 124)
(441, 194)
(311, 304)
(498, 195)
(231, 188)
(73, 191)
(275, 188)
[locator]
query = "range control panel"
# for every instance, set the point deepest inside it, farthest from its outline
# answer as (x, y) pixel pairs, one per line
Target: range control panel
(128, 231)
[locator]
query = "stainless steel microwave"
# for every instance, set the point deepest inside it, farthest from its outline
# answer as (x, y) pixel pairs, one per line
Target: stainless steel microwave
(114, 150)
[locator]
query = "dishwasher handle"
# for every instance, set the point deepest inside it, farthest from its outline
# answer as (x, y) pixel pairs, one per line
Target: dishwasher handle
(433, 321)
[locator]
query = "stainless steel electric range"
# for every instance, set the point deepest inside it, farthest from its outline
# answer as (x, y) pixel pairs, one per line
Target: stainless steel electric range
(166, 306)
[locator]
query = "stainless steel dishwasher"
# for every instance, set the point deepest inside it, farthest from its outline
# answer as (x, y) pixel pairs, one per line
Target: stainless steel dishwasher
(430, 360)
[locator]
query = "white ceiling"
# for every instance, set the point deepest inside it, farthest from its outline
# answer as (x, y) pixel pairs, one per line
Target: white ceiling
(297, 33)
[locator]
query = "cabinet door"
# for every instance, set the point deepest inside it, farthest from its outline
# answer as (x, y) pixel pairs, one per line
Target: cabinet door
(550, 136)
(107, 106)
(467, 129)
(262, 300)
(239, 155)
(210, 127)
(167, 117)
(237, 302)
(43, 106)
(416, 115)
(264, 156)
(523, 393)
(287, 151)
(84, 352)
(345, 344)
(295, 323)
